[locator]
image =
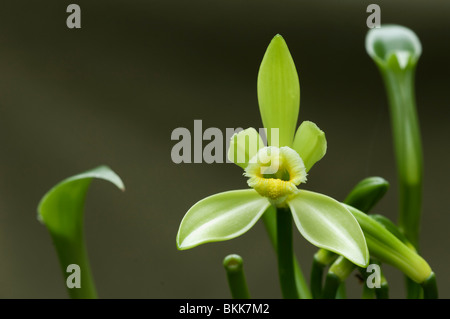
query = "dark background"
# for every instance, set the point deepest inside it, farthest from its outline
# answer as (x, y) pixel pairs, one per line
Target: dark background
(112, 92)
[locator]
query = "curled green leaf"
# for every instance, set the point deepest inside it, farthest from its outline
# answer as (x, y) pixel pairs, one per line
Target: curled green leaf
(393, 45)
(61, 210)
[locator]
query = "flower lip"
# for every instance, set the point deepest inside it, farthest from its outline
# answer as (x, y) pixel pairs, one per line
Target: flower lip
(275, 172)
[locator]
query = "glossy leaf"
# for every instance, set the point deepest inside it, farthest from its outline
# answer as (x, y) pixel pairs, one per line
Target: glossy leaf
(61, 210)
(221, 217)
(327, 224)
(310, 143)
(279, 92)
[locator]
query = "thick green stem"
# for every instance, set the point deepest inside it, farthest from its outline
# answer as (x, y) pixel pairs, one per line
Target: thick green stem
(270, 223)
(331, 286)
(72, 251)
(408, 148)
(367, 293)
(342, 291)
(429, 286)
(381, 292)
(322, 258)
(316, 278)
(233, 265)
(337, 274)
(285, 251)
(408, 153)
(413, 289)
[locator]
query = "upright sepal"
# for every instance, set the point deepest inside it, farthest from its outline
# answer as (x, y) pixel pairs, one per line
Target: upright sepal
(221, 217)
(325, 223)
(278, 93)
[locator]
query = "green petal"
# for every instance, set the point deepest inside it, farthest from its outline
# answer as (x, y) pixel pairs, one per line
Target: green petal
(310, 143)
(325, 223)
(221, 217)
(278, 93)
(243, 146)
(395, 45)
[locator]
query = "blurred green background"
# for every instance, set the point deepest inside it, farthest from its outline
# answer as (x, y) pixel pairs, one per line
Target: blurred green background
(112, 92)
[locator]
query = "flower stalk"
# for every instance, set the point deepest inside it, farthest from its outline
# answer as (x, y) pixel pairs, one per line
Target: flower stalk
(270, 223)
(285, 251)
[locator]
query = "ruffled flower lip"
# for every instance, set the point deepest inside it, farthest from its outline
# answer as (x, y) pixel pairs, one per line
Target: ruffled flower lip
(276, 172)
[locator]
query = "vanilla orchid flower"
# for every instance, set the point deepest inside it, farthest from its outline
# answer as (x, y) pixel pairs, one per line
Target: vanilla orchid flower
(274, 173)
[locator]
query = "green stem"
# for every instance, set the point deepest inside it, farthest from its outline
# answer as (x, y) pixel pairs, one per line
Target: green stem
(286, 254)
(73, 251)
(396, 51)
(383, 291)
(367, 293)
(341, 293)
(316, 278)
(233, 265)
(331, 286)
(322, 258)
(429, 286)
(413, 289)
(408, 148)
(408, 153)
(270, 222)
(337, 274)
